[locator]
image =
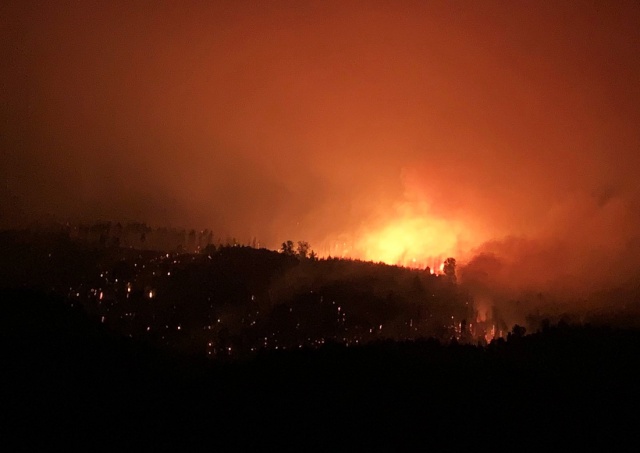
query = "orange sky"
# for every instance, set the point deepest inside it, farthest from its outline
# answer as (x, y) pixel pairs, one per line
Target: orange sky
(427, 127)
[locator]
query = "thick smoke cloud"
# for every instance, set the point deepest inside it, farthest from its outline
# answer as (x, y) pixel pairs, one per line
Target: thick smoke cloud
(503, 134)
(584, 260)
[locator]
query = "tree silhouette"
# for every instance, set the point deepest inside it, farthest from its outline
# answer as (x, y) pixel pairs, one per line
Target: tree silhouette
(517, 332)
(303, 249)
(449, 269)
(287, 248)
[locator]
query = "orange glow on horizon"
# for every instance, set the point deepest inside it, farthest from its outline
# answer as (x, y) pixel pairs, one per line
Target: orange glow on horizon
(409, 240)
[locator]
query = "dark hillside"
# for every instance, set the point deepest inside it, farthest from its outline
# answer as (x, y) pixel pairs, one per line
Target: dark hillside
(68, 381)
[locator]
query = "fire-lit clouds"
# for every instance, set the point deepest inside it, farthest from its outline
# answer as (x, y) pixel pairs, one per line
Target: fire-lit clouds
(402, 130)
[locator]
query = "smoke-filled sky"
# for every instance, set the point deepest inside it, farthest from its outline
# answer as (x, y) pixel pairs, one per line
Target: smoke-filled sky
(400, 130)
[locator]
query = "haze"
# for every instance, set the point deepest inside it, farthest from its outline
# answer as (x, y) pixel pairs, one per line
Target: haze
(393, 131)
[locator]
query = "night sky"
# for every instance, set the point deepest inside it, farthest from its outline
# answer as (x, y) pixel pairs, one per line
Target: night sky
(380, 130)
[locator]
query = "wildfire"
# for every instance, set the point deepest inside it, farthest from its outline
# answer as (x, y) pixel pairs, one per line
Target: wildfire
(407, 233)
(410, 241)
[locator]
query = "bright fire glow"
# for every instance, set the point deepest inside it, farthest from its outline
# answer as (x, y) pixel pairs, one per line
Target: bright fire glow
(407, 233)
(410, 241)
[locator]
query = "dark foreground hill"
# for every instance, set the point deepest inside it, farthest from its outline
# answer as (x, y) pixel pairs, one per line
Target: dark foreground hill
(233, 300)
(68, 382)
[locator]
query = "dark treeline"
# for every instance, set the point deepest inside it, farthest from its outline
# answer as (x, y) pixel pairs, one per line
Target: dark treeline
(236, 300)
(137, 235)
(233, 300)
(70, 381)
(141, 236)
